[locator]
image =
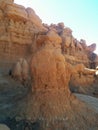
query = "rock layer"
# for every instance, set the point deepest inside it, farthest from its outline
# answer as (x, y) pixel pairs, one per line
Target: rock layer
(17, 28)
(52, 100)
(58, 63)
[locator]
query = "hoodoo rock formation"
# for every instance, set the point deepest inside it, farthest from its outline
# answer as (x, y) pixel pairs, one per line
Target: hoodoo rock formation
(56, 67)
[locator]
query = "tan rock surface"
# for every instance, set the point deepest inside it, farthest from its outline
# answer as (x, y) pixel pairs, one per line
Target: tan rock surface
(84, 80)
(83, 43)
(57, 60)
(3, 3)
(53, 63)
(51, 83)
(16, 12)
(34, 18)
(17, 30)
(20, 71)
(54, 37)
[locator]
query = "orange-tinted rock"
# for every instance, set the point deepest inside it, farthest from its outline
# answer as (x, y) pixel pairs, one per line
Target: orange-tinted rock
(16, 12)
(50, 75)
(33, 17)
(17, 30)
(1, 15)
(51, 38)
(4, 3)
(79, 68)
(41, 40)
(54, 37)
(54, 74)
(49, 104)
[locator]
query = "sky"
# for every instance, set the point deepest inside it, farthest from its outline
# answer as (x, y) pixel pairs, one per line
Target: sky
(80, 15)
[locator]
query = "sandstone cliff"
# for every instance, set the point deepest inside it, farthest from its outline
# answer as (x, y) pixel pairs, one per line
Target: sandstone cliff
(18, 26)
(56, 65)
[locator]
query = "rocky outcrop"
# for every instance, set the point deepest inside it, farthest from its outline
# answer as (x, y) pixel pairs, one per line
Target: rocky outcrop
(20, 29)
(77, 51)
(92, 47)
(84, 81)
(50, 90)
(20, 71)
(59, 65)
(55, 74)
(18, 26)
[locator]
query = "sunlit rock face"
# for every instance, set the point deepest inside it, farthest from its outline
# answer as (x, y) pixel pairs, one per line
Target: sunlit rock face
(50, 76)
(18, 26)
(49, 65)
(56, 72)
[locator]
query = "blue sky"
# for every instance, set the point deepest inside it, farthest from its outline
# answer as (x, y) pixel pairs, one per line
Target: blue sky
(80, 15)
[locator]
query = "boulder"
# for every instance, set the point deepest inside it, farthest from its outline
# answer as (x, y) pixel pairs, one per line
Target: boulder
(25, 70)
(54, 37)
(16, 71)
(78, 45)
(67, 39)
(91, 48)
(33, 17)
(83, 43)
(67, 31)
(20, 70)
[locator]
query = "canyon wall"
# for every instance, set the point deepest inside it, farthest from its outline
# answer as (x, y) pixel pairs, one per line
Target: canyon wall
(22, 34)
(18, 26)
(54, 63)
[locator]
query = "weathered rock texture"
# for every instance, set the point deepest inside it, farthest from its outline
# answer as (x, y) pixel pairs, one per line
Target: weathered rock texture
(18, 26)
(51, 74)
(58, 63)
(20, 70)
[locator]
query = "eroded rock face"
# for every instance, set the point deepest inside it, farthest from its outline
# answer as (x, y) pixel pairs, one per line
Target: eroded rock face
(55, 74)
(56, 60)
(18, 26)
(50, 74)
(20, 71)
